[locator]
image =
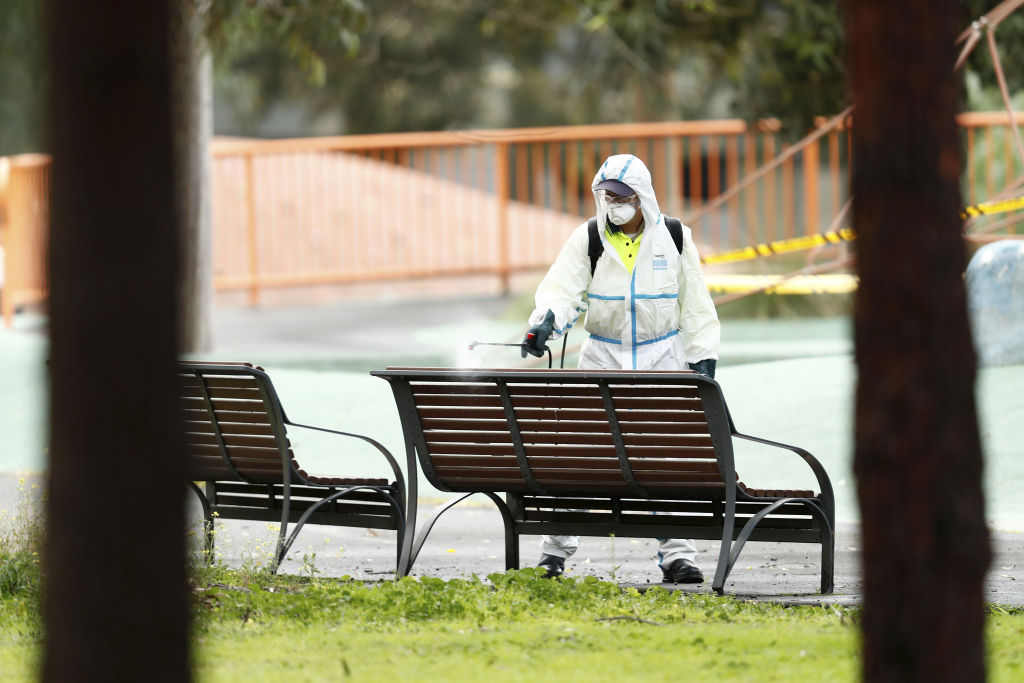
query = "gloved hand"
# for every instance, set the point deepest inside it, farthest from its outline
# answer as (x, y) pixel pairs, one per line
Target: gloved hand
(537, 336)
(705, 367)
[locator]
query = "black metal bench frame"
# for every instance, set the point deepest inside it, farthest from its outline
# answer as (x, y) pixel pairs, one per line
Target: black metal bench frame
(724, 510)
(280, 492)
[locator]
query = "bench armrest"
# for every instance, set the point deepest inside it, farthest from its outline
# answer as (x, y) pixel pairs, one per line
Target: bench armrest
(399, 478)
(824, 483)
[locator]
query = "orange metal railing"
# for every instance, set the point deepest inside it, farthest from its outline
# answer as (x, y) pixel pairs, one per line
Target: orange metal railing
(24, 229)
(993, 161)
(415, 205)
(342, 209)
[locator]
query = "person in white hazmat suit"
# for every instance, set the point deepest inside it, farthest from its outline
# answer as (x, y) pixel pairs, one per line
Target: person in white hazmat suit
(646, 305)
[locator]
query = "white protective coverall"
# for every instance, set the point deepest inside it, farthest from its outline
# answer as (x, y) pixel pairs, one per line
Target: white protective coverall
(659, 317)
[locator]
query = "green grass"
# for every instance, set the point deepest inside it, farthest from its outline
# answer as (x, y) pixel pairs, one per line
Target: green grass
(514, 626)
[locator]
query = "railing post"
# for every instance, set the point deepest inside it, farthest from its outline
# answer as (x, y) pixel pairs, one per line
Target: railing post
(812, 217)
(501, 188)
(254, 252)
(674, 151)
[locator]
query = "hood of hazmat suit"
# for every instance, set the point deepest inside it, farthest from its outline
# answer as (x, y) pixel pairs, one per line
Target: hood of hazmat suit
(659, 316)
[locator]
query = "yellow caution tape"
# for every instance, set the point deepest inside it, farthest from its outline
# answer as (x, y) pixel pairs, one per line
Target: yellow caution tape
(843, 235)
(838, 283)
(781, 247)
(989, 208)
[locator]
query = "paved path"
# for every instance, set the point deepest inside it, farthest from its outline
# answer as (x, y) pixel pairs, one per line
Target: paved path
(319, 357)
(468, 540)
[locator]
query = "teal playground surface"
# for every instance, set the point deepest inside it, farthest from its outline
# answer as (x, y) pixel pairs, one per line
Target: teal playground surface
(319, 362)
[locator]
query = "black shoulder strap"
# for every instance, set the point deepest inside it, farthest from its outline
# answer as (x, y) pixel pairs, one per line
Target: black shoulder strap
(675, 228)
(595, 247)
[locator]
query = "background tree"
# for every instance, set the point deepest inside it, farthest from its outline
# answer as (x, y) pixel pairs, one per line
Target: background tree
(21, 77)
(917, 451)
(793, 65)
(1010, 39)
(116, 602)
(192, 121)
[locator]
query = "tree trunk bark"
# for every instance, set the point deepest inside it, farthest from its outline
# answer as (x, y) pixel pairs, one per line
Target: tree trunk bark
(917, 456)
(116, 602)
(192, 94)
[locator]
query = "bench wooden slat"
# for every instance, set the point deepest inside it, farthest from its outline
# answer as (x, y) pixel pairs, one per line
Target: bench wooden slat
(245, 417)
(557, 402)
(444, 448)
(532, 389)
(238, 452)
(624, 391)
(706, 506)
(682, 507)
(587, 487)
(462, 388)
(575, 438)
(210, 439)
(561, 414)
(463, 400)
(587, 518)
(611, 474)
(297, 491)
(250, 394)
(585, 460)
(226, 428)
(675, 452)
(226, 404)
(589, 438)
(564, 416)
(224, 382)
(378, 506)
(625, 403)
(532, 425)
(674, 478)
(535, 425)
(567, 390)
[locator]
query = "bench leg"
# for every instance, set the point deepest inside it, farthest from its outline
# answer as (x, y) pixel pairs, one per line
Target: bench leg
(748, 529)
(287, 544)
(511, 544)
(722, 570)
(406, 537)
(827, 567)
(418, 543)
(828, 548)
(511, 538)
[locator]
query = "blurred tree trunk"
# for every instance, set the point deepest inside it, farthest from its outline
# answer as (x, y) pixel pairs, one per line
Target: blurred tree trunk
(116, 603)
(192, 100)
(917, 456)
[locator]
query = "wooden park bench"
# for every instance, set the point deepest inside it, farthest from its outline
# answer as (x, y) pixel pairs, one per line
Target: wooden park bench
(237, 444)
(599, 453)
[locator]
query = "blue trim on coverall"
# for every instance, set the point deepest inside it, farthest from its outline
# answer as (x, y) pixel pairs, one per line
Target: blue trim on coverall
(605, 339)
(658, 339)
(623, 171)
(657, 296)
(632, 311)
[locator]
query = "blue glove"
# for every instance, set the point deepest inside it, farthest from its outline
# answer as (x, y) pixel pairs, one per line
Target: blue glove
(705, 367)
(536, 337)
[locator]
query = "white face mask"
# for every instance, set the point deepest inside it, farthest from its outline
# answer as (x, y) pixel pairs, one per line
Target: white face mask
(620, 214)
